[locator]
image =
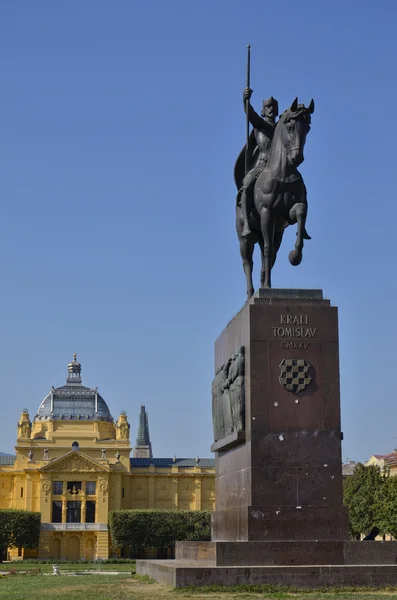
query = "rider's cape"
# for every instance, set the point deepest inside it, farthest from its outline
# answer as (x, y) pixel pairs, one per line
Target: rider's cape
(253, 153)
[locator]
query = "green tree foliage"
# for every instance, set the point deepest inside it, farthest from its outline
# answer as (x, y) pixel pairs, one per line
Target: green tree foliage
(158, 528)
(386, 505)
(363, 494)
(19, 529)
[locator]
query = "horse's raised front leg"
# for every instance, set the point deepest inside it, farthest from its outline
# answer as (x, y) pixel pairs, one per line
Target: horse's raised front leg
(267, 226)
(298, 213)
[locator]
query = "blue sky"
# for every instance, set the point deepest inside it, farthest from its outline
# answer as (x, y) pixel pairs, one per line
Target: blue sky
(120, 125)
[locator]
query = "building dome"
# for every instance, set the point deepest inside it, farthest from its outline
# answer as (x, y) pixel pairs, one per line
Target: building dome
(74, 368)
(73, 401)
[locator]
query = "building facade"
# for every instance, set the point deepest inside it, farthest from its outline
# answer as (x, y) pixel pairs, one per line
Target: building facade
(73, 465)
(386, 462)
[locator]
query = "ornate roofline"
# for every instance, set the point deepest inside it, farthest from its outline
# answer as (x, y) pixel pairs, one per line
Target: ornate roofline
(75, 453)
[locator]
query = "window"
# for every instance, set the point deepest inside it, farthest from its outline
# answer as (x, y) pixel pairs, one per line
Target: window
(21, 492)
(73, 512)
(90, 488)
(90, 511)
(122, 492)
(56, 511)
(57, 488)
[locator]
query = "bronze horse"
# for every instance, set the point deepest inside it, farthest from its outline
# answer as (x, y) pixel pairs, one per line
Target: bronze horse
(279, 197)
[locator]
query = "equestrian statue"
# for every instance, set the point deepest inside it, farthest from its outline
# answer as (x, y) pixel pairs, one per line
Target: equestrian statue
(271, 192)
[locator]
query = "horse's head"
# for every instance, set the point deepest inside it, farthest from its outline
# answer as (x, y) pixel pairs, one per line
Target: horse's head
(295, 125)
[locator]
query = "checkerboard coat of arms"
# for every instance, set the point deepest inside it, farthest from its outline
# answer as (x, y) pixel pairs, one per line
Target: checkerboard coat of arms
(294, 375)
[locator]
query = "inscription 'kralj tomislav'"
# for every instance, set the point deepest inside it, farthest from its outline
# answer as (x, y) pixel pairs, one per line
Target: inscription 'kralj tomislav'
(294, 326)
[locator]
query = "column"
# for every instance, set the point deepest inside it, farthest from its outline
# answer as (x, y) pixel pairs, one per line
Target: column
(197, 493)
(83, 510)
(64, 505)
(29, 493)
(102, 503)
(151, 491)
(64, 546)
(45, 498)
(64, 509)
(103, 544)
(116, 487)
(83, 541)
(175, 492)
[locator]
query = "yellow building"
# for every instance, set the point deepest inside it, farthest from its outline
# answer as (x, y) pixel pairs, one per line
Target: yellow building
(73, 465)
(383, 461)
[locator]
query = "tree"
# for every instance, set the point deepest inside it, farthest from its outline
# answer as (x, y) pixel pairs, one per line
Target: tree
(364, 495)
(386, 502)
(19, 529)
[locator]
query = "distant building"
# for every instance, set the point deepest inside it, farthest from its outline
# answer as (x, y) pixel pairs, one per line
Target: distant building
(386, 462)
(73, 465)
(348, 468)
(143, 446)
(383, 461)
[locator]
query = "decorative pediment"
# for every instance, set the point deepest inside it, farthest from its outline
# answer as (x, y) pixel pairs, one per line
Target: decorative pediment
(74, 462)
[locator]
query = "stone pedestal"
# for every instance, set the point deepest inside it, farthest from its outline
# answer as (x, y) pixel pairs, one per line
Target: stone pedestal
(279, 516)
(283, 481)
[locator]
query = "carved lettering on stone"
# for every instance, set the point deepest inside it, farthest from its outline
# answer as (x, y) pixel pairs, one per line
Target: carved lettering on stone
(297, 327)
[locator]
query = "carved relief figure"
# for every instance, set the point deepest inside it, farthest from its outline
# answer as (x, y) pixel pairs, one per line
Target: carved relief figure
(219, 385)
(237, 389)
(123, 427)
(228, 396)
(45, 488)
(123, 431)
(42, 432)
(103, 489)
(24, 425)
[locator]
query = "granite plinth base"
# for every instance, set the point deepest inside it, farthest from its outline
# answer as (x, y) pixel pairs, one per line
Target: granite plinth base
(262, 553)
(182, 573)
(288, 553)
(287, 563)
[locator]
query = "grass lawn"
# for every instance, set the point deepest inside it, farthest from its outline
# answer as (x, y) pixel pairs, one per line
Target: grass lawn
(47, 568)
(127, 587)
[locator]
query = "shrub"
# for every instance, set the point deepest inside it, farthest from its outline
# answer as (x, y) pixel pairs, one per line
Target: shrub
(19, 529)
(158, 528)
